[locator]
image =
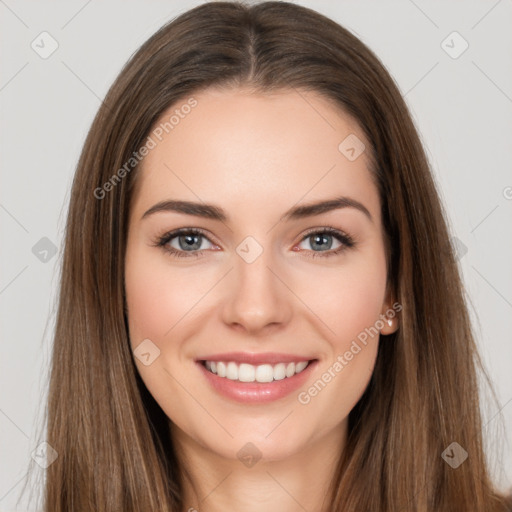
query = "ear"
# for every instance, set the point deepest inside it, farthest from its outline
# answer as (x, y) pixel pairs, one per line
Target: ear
(390, 315)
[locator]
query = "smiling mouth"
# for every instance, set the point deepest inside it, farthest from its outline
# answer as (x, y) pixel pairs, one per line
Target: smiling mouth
(263, 373)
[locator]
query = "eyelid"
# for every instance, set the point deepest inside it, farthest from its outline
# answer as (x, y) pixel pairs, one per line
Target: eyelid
(347, 241)
(325, 229)
(166, 237)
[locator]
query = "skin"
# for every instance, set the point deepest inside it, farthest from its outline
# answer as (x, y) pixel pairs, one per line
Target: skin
(282, 151)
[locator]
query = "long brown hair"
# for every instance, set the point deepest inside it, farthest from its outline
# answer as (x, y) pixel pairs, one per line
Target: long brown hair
(114, 448)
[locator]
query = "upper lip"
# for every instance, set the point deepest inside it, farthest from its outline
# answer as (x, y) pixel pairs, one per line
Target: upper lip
(255, 359)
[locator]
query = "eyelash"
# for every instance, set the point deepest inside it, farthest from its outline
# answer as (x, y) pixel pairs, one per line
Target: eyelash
(162, 241)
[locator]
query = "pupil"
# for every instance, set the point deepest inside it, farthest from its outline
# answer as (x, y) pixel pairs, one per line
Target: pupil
(322, 245)
(189, 242)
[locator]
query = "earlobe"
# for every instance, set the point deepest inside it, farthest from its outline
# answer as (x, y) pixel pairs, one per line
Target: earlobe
(390, 326)
(391, 321)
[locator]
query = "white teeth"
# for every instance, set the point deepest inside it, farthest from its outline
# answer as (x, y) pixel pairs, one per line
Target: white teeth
(290, 370)
(264, 373)
(299, 366)
(232, 371)
(250, 373)
(246, 373)
(279, 371)
(221, 369)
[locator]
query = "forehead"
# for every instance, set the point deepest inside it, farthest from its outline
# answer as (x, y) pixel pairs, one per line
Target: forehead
(243, 147)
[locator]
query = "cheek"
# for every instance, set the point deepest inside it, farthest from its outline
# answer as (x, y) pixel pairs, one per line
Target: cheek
(350, 302)
(163, 305)
(158, 297)
(350, 299)
(158, 300)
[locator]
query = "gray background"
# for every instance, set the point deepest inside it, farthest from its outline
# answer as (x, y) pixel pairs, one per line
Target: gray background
(461, 105)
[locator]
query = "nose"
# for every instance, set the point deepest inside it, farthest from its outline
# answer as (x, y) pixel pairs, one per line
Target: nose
(257, 296)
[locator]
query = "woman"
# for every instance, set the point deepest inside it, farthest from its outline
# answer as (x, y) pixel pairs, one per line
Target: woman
(208, 355)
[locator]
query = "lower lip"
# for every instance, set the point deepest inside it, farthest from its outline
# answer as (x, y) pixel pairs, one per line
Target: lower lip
(257, 392)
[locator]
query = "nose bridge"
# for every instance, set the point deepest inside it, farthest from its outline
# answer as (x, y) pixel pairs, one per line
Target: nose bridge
(252, 270)
(257, 297)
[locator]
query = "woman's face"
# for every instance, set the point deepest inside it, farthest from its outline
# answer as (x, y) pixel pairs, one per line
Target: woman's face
(263, 285)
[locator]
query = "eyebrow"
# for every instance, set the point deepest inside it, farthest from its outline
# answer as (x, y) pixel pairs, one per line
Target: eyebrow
(210, 211)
